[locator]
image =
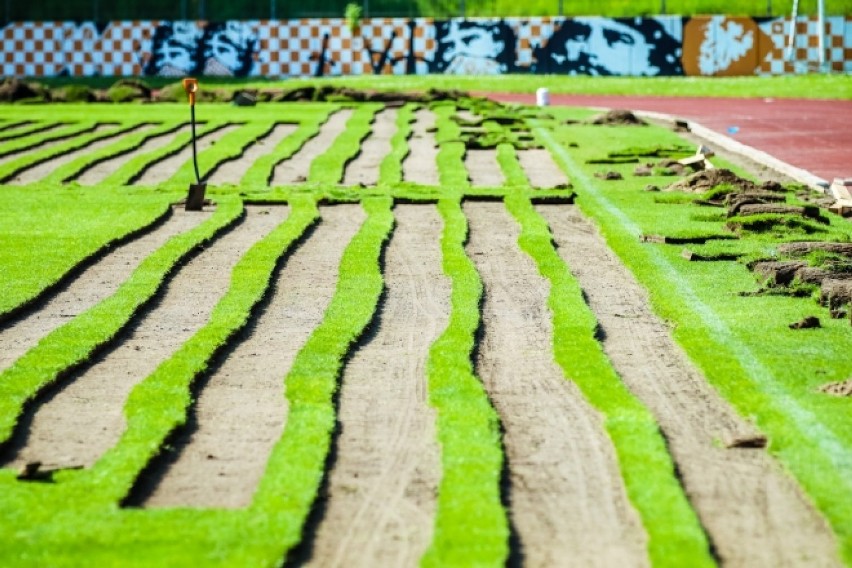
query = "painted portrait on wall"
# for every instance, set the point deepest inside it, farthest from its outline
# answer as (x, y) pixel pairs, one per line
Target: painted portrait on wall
(720, 45)
(228, 49)
(174, 49)
(473, 47)
(610, 46)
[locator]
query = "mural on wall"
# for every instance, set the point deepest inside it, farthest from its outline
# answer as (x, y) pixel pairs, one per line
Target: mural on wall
(179, 49)
(663, 45)
(610, 46)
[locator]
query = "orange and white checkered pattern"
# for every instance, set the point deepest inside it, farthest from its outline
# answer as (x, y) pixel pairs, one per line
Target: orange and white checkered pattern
(805, 56)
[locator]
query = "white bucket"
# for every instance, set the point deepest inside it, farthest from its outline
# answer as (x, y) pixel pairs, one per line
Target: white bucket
(542, 97)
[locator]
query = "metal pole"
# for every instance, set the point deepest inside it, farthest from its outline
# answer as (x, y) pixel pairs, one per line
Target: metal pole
(792, 36)
(366, 8)
(662, 6)
(560, 7)
(768, 7)
(463, 11)
(821, 32)
(271, 9)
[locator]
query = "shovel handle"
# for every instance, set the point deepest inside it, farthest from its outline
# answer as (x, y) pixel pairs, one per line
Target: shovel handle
(190, 85)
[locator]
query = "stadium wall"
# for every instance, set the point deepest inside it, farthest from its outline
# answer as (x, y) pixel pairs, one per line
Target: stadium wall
(664, 45)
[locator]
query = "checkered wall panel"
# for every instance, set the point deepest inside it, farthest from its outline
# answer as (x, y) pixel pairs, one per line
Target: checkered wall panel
(390, 45)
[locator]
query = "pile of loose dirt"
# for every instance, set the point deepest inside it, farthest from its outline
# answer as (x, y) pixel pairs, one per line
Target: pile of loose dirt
(705, 180)
(13, 89)
(617, 117)
(338, 94)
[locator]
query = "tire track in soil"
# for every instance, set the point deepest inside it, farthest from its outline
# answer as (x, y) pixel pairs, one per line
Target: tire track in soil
(364, 169)
(567, 497)
(541, 170)
(754, 513)
(483, 170)
(241, 410)
(163, 170)
(295, 169)
(90, 287)
(233, 171)
(76, 423)
(382, 488)
(421, 164)
(100, 171)
(39, 171)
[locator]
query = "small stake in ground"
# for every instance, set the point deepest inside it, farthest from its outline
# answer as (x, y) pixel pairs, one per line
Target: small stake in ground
(195, 198)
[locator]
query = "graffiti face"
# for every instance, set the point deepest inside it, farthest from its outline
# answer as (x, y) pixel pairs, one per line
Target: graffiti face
(719, 45)
(228, 49)
(473, 48)
(173, 50)
(604, 46)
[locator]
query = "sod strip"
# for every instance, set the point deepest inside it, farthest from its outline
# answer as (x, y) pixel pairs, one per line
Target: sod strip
(11, 169)
(36, 140)
(805, 445)
(136, 166)
(515, 175)
(230, 146)
(259, 175)
(14, 131)
(122, 146)
(297, 465)
(675, 537)
(471, 526)
(159, 404)
(328, 167)
(232, 171)
(390, 170)
(451, 153)
(76, 342)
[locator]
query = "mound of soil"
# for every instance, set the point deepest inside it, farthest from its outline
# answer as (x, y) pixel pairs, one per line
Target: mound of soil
(702, 181)
(13, 89)
(617, 117)
(337, 94)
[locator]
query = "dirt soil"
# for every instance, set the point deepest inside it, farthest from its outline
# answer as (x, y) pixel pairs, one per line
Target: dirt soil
(161, 171)
(39, 171)
(754, 513)
(842, 388)
(704, 180)
(76, 424)
(420, 166)
(39, 146)
(233, 171)
(296, 168)
(94, 284)
(617, 117)
(483, 169)
(541, 170)
(381, 494)
(364, 169)
(567, 498)
(100, 171)
(241, 409)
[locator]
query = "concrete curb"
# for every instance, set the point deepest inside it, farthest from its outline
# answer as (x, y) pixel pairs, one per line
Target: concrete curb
(726, 142)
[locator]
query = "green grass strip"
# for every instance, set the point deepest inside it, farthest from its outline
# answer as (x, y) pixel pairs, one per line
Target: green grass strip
(12, 168)
(675, 536)
(158, 405)
(507, 157)
(328, 167)
(298, 462)
(259, 175)
(390, 170)
(123, 145)
(36, 139)
(229, 147)
(76, 341)
(451, 170)
(471, 526)
(26, 128)
(131, 169)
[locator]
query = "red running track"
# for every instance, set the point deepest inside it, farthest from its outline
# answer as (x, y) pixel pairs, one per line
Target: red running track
(814, 135)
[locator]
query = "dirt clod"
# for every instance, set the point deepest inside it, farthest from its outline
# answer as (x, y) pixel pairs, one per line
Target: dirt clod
(747, 441)
(609, 176)
(840, 388)
(810, 322)
(617, 117)
(702, 181)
